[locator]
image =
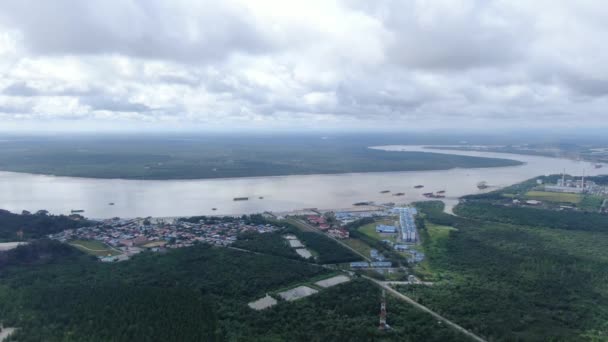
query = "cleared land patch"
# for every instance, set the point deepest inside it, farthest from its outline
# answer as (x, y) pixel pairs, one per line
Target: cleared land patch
(5, 246)
(329, 282)
(263, 303)
(94, 247)
(155, 244)
(358, 245)
(554, 196)
(304, 253)
(295, 243)
(298, 246)
(435, 243)
(297, 293)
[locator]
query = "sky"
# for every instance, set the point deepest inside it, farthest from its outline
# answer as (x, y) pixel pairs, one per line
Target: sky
(121, 65)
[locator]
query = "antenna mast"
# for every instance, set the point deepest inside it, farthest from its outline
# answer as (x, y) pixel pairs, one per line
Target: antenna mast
(383, 325)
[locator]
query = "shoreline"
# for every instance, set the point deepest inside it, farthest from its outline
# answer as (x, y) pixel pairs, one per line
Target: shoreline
(186, 198)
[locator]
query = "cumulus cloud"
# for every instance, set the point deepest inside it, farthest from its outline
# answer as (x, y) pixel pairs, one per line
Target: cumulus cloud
(184, 31)
(354, 64)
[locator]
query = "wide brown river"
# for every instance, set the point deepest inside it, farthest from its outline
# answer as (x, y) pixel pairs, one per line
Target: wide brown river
(137, 198)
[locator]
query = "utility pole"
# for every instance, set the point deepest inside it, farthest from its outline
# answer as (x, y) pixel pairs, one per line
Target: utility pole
(383, 325)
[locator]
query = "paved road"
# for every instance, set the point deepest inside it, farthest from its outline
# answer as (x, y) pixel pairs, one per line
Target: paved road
(407, 283)
(425, 309)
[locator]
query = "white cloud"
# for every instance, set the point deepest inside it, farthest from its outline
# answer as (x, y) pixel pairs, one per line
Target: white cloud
(365, 64)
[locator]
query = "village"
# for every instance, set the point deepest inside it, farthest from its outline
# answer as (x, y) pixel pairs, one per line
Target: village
(117, 239)
(401, 235)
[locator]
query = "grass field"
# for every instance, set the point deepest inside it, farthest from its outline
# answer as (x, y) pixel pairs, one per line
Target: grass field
(358, 245)
(94, 247)
(433, 245)
(554, 197)
(155, 244)
(370, 230)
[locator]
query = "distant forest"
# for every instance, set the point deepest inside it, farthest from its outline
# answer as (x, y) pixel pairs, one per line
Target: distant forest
(173, 157)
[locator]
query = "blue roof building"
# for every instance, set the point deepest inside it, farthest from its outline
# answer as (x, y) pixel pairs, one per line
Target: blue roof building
(381, 228)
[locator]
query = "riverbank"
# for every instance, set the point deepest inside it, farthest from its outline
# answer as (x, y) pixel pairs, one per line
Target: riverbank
(142, 198)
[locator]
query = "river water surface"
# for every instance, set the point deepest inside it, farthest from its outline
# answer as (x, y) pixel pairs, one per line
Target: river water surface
(140, 198)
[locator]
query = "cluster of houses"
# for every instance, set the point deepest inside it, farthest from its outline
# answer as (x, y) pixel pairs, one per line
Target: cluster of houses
(413, 254)
(346, 217)
(373, 264)
(334, 231)
(376, 256)
(382, 228)
(132, 236)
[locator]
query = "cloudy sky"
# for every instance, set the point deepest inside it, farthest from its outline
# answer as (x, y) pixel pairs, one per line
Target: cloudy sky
(177, 64)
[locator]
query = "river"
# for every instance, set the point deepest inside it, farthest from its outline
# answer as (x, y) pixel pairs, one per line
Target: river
(166, 198)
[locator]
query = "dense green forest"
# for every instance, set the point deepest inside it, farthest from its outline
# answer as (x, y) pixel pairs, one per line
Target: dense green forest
(268, 243)
(151, 297)
(573, 220)
(539, 277)
(35, 225)
(328, 251)
(173, 157)
(190, 294)
(325, 249)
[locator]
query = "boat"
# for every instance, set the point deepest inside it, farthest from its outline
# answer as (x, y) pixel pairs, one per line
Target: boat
(441, 192)
(213, 209)
(362, 203)
(385, 191)
(77, 211)
(432, 195)
(399, 194)
(261, 197)
(482, 185)
(111, 203)
(240, 198)
(419, 186)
